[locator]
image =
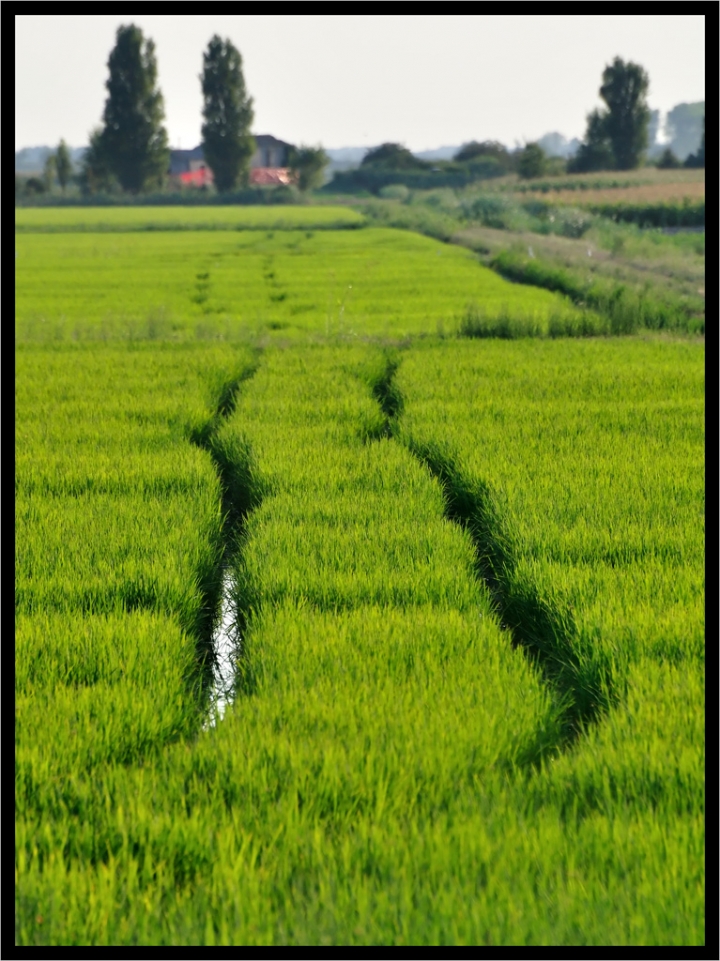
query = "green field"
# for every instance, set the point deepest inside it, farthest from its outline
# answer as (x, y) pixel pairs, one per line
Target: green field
(230, 285)
(94, 219)
(467, 582)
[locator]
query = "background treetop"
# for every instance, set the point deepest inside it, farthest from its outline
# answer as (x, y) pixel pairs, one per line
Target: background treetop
(486, 148)
(393, 156)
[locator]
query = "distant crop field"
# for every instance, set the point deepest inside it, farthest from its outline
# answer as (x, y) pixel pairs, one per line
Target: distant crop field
(604, 180)
(63, 219)
(458, 586)
(650, 193)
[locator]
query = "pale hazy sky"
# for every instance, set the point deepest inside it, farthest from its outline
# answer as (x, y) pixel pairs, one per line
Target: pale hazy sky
(425, 81)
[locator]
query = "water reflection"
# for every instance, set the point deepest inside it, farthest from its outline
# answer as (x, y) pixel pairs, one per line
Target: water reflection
(225, 649)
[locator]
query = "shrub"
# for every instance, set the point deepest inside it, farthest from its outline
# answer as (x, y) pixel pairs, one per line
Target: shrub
(395, 192)
(491, 210)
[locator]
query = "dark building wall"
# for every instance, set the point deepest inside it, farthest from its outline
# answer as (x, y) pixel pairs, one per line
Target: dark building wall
(269, 152)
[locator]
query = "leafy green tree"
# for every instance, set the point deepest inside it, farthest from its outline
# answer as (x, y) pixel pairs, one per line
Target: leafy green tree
(617, 137)
(392, 156)
(63, 165)
(531, 162)
(624, 89)
(133, 144)
(228, 114)
(308, 166)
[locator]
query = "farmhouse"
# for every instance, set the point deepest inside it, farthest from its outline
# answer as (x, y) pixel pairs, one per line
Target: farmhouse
(268, 165)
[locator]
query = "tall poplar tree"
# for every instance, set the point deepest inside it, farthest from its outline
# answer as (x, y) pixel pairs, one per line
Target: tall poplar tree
(227, 113)
(134, 143)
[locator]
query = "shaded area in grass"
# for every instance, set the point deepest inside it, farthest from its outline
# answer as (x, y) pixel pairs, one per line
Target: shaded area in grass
(240, 494)
(581, 679)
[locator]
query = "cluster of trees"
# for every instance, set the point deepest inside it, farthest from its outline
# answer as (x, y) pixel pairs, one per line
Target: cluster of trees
(58, 168)
(488, 158)
(130, 149)
(394, 156)
(617, 136)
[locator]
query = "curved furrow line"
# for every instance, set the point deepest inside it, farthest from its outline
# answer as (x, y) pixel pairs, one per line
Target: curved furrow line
(224, 621)
(581, 681)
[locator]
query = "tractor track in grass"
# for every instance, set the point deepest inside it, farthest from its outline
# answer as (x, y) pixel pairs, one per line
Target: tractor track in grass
(224, 619)
(581, 682)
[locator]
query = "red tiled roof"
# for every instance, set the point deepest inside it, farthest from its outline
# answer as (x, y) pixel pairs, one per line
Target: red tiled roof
(196, 178)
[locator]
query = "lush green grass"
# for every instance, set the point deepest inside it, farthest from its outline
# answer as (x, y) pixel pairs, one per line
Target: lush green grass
(226, 285)
(119, 534)
(94, 219)
(361, 599)
(374, 781)
(469, 588)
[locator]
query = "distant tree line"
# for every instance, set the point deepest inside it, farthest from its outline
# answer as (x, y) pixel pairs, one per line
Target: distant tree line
(130, 151)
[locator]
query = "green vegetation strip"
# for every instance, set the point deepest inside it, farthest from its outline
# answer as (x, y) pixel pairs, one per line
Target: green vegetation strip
(668, 214)
(616, 308)
(94, 219)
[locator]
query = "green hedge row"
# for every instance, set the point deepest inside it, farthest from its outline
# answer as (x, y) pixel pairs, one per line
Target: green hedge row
(373, 180)
(685, 214)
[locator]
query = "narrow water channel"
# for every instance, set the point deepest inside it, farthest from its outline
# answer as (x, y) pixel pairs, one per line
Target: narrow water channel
(225, 643)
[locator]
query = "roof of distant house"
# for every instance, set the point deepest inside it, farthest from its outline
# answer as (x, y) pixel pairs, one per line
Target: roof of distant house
(267, 140)
(195, 154)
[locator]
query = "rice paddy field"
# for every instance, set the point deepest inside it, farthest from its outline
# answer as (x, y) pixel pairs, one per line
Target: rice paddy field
(465, 581)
